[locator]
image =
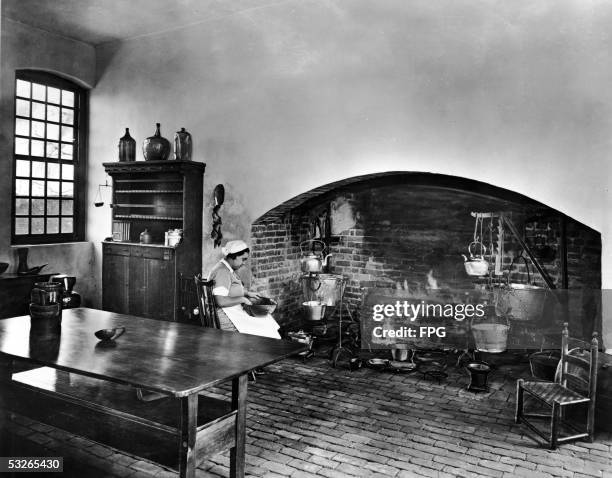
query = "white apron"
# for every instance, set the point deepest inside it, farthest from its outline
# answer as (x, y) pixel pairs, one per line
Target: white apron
(264, 326)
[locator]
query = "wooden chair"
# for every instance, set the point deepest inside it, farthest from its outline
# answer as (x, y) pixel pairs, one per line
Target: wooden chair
(575, 384)
(206, 303)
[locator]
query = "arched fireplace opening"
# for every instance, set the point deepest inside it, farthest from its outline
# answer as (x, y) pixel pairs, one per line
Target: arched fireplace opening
(408, 230)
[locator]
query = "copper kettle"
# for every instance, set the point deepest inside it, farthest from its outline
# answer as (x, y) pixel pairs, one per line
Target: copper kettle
(313, 262)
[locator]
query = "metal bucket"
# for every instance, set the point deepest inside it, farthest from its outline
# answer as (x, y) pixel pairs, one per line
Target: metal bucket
(323, 288)
(313, 310)
(491, 338)
(544, 364)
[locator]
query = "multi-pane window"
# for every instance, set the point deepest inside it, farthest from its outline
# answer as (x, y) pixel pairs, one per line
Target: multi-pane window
(49, 159)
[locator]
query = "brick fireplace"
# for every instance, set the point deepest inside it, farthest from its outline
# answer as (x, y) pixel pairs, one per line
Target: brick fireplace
(407, 231)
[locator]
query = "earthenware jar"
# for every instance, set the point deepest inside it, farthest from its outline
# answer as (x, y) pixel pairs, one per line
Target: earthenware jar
(45, 293)
(182, 145)
(145, 237)
(156, 148)
(127, 147)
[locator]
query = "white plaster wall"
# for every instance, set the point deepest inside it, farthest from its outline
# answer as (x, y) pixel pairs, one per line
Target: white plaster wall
(288, 97)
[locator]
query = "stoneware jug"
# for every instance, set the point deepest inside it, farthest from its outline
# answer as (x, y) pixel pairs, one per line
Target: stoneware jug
(156, 148)
(182, 145)
(46, 293)
(145, 237)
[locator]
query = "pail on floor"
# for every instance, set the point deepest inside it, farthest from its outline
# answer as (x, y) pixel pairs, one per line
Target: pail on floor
(492, 338)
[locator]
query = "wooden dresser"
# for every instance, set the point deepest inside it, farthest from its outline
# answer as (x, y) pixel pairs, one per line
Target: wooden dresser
(143, 279)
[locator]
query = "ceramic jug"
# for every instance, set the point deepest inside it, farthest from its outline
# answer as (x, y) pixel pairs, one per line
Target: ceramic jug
(156, 148)
(46, 293)
(145, 237)
(182, 145)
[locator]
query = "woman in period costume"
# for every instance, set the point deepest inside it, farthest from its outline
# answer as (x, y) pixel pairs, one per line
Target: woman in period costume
(230, 294)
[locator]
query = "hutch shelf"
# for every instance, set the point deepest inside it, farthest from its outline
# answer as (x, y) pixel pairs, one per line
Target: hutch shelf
(142, 279)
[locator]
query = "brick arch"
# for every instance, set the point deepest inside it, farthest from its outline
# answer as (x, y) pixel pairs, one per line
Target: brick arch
(421, 241)
(404, 178)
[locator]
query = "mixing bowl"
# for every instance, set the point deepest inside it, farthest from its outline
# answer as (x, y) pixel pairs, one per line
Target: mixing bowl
(261, 307)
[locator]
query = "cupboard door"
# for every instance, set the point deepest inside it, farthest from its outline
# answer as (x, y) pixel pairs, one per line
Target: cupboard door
(152, 288)
(159, 302)
(115, 280)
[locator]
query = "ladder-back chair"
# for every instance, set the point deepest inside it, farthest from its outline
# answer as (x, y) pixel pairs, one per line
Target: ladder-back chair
(207, 306)
(206, 303)
(575, 384)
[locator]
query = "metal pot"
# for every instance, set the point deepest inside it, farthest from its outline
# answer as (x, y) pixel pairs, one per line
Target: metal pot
(476, 265)
(312, 262)
(314, 310)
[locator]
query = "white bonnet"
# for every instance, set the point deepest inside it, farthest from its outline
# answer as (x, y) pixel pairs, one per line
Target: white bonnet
(233, 246)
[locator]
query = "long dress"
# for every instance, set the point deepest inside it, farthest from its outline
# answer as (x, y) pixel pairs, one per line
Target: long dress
(228, 284)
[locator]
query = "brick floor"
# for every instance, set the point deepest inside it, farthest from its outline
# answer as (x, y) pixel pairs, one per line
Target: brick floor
(311, 420)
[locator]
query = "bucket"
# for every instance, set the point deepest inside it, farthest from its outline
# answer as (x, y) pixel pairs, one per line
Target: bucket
(323, 288)
(544, 364)
(313, 310)
(491, 338)
(523, 301)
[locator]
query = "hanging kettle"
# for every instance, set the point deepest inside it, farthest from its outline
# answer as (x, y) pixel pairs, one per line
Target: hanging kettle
(312, 262)
(476, 265)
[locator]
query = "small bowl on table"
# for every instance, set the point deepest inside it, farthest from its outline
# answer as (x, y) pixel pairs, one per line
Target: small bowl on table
(260, 307)
(109, 335)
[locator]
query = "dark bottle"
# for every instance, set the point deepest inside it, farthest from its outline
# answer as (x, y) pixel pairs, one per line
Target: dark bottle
(156, 148)
(127, 147)
(23, 267)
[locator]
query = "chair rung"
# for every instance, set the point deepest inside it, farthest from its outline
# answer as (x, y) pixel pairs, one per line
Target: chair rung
(572, 437)
(536, 415)
(534, 429)
(579, 361)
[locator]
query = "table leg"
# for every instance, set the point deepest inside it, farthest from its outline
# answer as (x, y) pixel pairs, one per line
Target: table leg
(239, 402)
(6, 374)
(187, 428)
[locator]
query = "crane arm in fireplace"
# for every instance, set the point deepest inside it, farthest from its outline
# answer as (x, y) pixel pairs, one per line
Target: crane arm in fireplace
(512, 228)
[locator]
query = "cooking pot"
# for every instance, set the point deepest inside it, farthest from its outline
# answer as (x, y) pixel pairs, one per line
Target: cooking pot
(476, 265)
(312, 262)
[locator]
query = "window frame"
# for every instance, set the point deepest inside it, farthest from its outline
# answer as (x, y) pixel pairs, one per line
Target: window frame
(79, 160)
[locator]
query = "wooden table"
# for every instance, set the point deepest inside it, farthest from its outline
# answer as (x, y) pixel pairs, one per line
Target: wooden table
(90, 389)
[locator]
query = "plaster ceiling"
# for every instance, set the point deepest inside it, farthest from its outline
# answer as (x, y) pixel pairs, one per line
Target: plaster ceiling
(101, 21)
